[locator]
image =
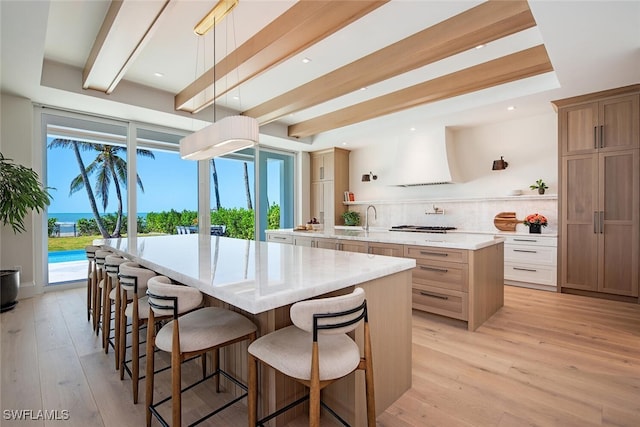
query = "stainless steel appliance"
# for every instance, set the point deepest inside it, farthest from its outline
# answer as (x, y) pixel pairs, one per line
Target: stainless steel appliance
(422, 228)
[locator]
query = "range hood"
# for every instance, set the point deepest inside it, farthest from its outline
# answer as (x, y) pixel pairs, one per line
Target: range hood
(428, 158)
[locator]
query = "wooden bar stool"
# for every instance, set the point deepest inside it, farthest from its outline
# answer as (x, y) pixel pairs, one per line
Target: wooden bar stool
(100, 257)
(90, 250)
(316, 351)
(133, 284)
(112, 296)
(188, 335)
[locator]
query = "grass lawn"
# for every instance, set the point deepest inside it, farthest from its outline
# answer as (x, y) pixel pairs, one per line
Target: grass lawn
(80, 242)
(70, 243)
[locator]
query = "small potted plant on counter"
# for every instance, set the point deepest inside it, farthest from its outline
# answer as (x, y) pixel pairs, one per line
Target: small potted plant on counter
(351, 218)
(535, 222)
(20, 192)
(540, 186)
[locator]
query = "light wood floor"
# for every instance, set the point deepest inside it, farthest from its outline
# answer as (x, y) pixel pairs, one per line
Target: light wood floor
(544, 359)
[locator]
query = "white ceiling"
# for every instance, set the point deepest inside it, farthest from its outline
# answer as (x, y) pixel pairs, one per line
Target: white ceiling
(592, 45)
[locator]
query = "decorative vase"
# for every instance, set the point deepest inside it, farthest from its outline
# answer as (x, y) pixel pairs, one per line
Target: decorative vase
(540, 190)
(535, 228)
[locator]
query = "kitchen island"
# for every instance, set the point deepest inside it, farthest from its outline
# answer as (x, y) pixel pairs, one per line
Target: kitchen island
(263, 279)
(458, 275)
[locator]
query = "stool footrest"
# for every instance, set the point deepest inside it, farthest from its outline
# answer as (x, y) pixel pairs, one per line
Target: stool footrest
(260, 423)
(153, 410)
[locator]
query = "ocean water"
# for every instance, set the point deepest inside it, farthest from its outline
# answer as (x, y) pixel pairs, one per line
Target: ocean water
(75, 216)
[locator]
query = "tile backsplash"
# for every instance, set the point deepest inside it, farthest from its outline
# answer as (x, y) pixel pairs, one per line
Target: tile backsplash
(471, 215)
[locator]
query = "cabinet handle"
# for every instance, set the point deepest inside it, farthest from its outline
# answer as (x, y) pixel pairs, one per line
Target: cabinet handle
(439, 270)
(524, 240)
(595, 222)
(433, 253)
(601, 222)
(278, 238)
(595, 137)
(524, 250)
(338, 246)
(602, 136)
(430, 295)
(524, 269)
(321, 172)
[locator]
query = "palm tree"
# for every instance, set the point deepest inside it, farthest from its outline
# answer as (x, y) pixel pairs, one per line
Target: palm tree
(247, 188)
(108, 166)
(215, 184)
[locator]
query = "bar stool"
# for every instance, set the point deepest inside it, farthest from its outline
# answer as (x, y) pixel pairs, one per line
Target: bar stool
(133, 284)
(90, 250)
(191, 333)
(112, 296)
(316, 351)
(100, 257)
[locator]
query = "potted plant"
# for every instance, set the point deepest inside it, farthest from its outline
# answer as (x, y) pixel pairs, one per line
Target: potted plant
(20, 192)
(535, 222)
(351, 218)
(540, 186)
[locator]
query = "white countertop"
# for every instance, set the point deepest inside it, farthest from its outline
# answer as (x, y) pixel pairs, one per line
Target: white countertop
(276, 275)
(457, 240)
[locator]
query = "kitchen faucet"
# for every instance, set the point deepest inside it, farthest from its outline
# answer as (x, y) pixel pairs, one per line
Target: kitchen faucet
(366, 217)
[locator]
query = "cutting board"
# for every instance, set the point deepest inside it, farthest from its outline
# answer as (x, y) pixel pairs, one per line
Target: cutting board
(506, 221)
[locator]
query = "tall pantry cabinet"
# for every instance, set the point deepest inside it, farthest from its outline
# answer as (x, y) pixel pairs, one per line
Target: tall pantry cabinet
(329, 181)
(599, 205)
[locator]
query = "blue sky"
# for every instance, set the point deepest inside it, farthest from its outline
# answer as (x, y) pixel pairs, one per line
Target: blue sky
(169, 183)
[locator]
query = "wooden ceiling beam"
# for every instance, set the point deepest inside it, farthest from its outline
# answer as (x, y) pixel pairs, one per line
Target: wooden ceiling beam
(520, 65)
(304, 24)
(126, 29)
(480, 25)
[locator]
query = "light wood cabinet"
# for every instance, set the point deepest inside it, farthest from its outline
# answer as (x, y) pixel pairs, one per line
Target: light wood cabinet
(599, 207)
(606, 125)
(329, 181)
(386, 249)
(440, 281)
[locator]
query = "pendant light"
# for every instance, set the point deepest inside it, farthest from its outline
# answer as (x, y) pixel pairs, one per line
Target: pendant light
(227, 135)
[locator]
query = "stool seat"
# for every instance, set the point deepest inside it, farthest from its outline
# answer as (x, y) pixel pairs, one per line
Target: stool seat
(143, 308)
(289, 350)
(205, 328)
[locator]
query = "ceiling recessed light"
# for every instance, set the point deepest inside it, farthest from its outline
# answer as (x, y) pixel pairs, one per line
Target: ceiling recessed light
(412, 129)
(236, 97)
(158, 74)
(363, 88)
(511, 108)
(344, 143)
(306, 60)
(480, 46)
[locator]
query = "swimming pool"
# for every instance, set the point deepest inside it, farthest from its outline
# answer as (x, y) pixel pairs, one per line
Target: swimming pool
(67, 256)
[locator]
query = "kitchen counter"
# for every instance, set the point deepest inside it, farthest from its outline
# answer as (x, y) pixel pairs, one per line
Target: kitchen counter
(276, 275)
(263, 279)
(452, 239)
(458, 275)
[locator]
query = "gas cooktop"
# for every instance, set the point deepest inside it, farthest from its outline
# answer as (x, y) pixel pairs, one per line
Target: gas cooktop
(421, 228)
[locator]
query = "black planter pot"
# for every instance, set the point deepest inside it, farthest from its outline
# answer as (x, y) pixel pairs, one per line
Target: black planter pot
(535, 228)
(9, 285)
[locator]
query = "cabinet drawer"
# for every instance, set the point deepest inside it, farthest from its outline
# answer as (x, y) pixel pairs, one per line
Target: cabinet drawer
(441, 301)
(436, 254)
(280, 238)
(543, 255)
(446, 275)
(531, 240)
(530, 273)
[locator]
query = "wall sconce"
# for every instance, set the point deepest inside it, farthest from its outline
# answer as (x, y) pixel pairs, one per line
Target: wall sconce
(499, 165)
(368, 177)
